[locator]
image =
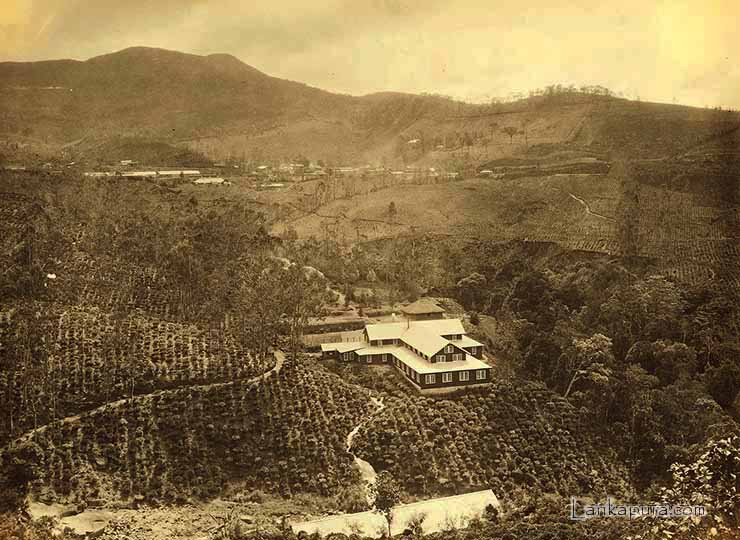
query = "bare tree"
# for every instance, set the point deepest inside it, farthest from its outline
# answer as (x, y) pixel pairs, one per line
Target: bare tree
(510, 131)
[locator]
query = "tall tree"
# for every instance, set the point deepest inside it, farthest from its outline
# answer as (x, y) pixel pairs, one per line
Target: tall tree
(303, 293)
(723, 381)
(649, 310)
(385, 494)
(257, 311)
(589, 359)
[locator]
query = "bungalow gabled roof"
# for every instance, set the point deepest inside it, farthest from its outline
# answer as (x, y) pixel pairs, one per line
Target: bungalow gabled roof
(395, 330)
(424, 341)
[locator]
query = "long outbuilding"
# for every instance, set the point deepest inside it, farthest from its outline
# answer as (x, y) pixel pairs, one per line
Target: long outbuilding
(439, 514)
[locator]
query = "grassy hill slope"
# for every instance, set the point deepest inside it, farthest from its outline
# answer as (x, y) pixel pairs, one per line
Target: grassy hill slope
(222, 106)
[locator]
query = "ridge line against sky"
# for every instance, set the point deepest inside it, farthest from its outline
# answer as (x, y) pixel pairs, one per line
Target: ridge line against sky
(665, 50)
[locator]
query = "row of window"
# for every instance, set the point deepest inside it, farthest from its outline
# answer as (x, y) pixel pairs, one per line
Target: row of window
(379, 342)
(463, 376)
(383, 358)
(480, 375)
(457, 357)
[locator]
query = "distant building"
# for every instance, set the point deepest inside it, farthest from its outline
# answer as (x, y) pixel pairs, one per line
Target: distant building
(186, 172)
(423, 309)
(211, 180)
(345, 171)
(272, 185)
(433, 352)
(137, 174)
(438, 514)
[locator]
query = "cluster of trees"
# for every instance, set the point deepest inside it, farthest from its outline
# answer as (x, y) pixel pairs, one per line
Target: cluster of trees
(655, 362)
(28, 242)
(202, 254)
(274, 298)
(556, 90)
(411, 146)
(212, 265)
(406, 266)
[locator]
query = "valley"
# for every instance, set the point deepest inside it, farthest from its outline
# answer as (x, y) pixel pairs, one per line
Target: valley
(161, 369)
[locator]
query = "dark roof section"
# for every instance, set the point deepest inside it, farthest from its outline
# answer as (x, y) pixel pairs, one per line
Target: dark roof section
(421, 307)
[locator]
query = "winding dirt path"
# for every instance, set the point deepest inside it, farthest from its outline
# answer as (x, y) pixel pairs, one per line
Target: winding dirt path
(588, 208)
(367, 472)
(274, 370)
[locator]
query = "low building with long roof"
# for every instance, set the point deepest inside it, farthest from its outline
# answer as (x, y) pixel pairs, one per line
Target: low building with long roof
(439, 514)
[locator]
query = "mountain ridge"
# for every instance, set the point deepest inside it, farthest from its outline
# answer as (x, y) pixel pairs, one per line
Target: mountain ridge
(219, 105)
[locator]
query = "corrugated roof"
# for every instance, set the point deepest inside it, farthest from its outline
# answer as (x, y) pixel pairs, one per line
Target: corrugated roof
(467, 342)
(425, 337)
(424, 340)
(385, 330)
(375, 350)
(394, 330)
(342, 347)
(442, 327)
(423, 367)
(416, 362)
(209, 180)
(439, 513)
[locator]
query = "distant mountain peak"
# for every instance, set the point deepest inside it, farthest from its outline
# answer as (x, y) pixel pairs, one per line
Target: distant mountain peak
(139, 52)
(223, 62)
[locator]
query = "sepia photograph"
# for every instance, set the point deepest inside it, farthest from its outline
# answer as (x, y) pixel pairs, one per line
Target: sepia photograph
(369, 269)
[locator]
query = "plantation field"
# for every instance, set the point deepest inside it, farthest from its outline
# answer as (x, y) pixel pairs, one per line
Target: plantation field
(514, 433)
(505, 209)
(82, 280)
(91, 358)
(285, 435)
(689, 236)
(693, 242)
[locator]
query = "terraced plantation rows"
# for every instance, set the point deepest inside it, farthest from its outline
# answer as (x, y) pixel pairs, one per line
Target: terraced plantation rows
(90, 358)
(82, 280)
(284, 435)
(509, 435)
(694, 243)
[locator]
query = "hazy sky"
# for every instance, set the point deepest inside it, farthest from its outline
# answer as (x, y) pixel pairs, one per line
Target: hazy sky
(472, 49)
